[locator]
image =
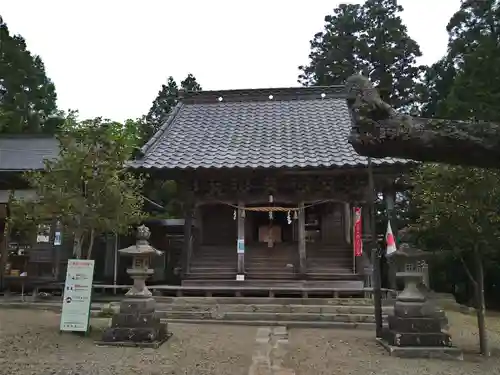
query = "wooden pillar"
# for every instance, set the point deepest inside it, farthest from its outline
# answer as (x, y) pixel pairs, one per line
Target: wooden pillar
(57, 248)
(366, 220)
(188, 238)
(240, 246)
(347, 222)
(302, 239)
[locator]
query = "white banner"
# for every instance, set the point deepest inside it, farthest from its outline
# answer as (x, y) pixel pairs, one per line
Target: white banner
(77, 296)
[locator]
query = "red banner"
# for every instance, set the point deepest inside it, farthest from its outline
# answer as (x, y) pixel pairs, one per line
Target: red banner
(358, 242)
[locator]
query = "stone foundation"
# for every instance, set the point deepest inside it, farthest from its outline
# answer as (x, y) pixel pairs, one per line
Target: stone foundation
(417, 329)
(137, 324)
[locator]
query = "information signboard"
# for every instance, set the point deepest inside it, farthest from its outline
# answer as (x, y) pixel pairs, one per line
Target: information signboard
(77, 296)
(240, 246)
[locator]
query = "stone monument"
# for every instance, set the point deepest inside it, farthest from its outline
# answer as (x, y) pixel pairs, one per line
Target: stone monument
(417, 328)
(137, 323)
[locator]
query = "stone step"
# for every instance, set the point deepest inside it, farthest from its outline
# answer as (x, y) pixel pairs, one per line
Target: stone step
(252, 316)
(270, 308)
(272, 323)
(266, 301)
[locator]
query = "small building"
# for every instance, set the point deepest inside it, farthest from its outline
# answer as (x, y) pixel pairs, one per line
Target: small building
(22, 257)
(269, 183)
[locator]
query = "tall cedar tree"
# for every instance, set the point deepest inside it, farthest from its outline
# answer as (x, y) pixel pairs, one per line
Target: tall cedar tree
(468, 89)
(370, 39)
(27, 95)
(87, 187)
(166, 101)
(476, 24)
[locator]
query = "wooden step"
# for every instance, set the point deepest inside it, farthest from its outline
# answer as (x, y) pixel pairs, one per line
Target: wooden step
(223, 269)
(262, 283)
(334, 276)
(269, 276)
(211, 275)
(273, 283)
(327, 271)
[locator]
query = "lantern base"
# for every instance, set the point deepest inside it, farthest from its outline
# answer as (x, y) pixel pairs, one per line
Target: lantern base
(418, 330)
(437, 352)
(137, 324)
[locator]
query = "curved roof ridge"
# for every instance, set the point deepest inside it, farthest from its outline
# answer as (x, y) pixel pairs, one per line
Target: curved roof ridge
(264, 94)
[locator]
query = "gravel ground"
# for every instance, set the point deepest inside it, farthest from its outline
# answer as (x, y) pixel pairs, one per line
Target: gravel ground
(30, 344)
(343, 352)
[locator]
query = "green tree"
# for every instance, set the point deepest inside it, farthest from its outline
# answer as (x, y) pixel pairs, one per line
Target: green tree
(165, 102)
(162, 105)
(87, 188)
(27, 95)
(371, 39)
(457, 214)
(435, 88)
(460, 200)
(474, 34)
(475, 92)
(475, 22)
(164, 193)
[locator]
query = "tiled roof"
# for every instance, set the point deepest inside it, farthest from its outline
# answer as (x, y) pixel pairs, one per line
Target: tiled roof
(303, 127)
(26, 153)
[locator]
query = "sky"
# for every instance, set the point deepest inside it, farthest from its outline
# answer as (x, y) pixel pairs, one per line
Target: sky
(110, 58)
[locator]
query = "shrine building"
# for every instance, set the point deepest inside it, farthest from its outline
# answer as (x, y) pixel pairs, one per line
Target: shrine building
(269, 185)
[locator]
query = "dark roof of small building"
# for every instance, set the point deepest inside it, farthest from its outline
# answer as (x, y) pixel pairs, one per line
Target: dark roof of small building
(24, 153)
(305, 127)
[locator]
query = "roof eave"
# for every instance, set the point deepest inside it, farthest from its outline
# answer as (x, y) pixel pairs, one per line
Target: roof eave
(158, 135)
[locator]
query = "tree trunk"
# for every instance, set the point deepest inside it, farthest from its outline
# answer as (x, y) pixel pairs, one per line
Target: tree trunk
(380, 131)
(480, 303)
(77, 244)
(428, 140)
(91, 243)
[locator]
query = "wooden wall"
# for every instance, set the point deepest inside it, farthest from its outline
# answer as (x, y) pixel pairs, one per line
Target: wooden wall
(332, 223)
(219, 226)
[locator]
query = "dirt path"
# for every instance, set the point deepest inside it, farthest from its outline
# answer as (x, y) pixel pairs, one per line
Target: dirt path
(30, 345)
(343, 352)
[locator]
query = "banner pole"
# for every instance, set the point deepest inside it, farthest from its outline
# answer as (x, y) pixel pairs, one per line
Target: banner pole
(376, 277)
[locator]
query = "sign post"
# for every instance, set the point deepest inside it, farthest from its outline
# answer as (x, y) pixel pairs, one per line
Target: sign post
(75, 315)
(240, 249)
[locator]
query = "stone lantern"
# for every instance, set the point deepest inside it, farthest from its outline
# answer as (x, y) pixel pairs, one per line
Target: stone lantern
(141, 253)
(137, 323)
(417, 327)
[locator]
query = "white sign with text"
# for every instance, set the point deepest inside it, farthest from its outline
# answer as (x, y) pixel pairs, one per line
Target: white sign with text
(77, 296)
